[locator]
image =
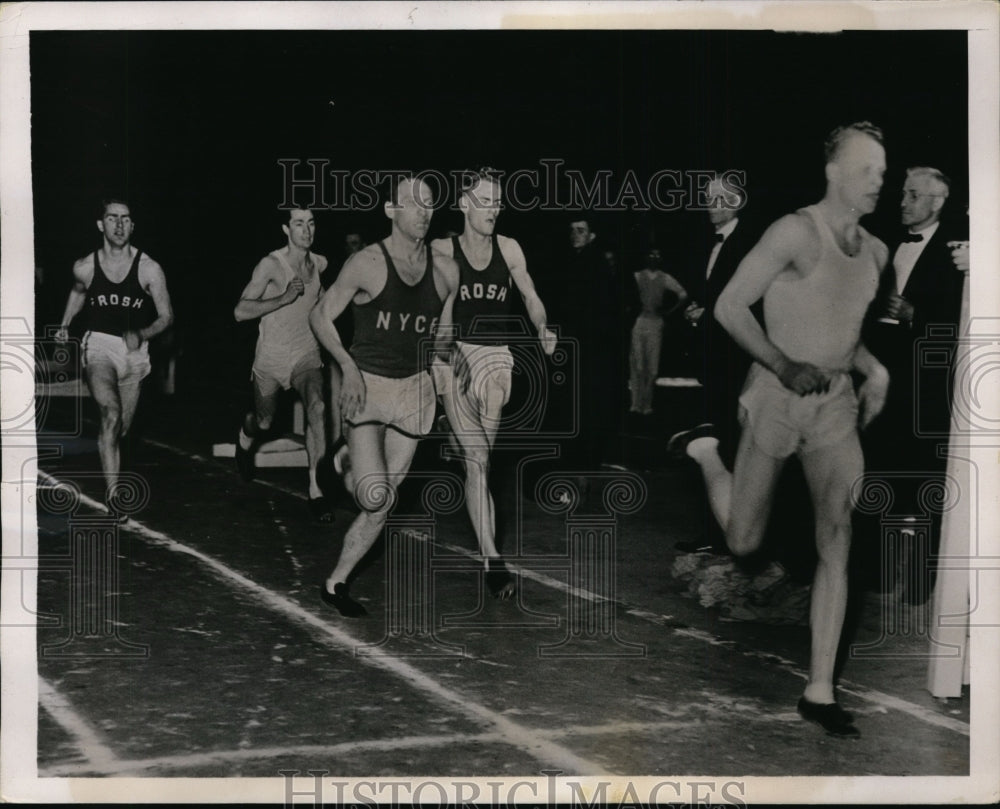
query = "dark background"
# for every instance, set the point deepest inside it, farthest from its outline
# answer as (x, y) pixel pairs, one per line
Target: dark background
(189, 126)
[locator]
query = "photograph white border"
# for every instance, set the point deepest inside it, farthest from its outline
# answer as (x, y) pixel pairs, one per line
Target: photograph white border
(18, 765)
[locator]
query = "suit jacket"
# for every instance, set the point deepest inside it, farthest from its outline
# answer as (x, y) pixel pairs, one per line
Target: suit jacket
(722, 356)
(911, 355)
(589, 305)
(734, 248)
(934, 287)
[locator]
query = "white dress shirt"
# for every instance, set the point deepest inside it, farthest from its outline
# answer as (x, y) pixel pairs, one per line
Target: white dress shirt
(907, 254)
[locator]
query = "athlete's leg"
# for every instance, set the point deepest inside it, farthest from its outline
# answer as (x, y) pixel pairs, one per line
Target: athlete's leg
(128, 395)
(259, 420)
(265, 405)
(742, 501)
(830, 473)
(380, 459)
(336, 378)
(102, 379)
(474, 426)
(130, 385)
(309, 385)
(368, 481)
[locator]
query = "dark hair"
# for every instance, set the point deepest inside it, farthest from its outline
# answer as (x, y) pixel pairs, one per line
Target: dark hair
(835, 140)
(285, 214)
(109, 201)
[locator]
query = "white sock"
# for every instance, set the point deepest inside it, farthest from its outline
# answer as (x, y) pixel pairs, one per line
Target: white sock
(245, 441)
(314, 489)
(700, 446)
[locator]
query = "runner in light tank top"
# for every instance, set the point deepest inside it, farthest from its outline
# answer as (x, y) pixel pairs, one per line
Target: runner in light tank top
(398, 287)
(829, 303)
(817, 270)
(284, 337)
(475, 386)
(282, 291)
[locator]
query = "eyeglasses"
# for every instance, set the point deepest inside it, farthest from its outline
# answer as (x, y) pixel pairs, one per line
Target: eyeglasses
(913, 196)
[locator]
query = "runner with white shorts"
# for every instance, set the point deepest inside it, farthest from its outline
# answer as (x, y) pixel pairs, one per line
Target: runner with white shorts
(125, 295)
(475, 386)
(817, 271)
(282, 291)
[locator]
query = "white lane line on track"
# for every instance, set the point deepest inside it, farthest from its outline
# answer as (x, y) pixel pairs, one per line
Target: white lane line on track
(697, 716)
(879, 698)
(525, 739)
(98, 755)
(890, 702)
(328, 752)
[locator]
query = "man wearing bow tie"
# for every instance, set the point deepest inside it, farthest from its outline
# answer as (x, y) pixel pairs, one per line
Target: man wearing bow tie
(722, 364)
(918, 301)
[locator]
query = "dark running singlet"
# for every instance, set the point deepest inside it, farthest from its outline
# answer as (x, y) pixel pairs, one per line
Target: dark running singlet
(117, 308)
(483, 301)
(394, 328)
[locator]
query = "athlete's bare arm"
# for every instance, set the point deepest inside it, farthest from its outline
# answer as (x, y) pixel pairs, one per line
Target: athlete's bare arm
(83, 275)
(154, 282)
(873, 391)
(443, 246)
(253, 304)
(790, 244)
(446, 280)
(361, 279)
(518, 267)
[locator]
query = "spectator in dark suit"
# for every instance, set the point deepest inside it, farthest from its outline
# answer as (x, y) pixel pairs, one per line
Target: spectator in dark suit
(588, 306)
(919, 299)
(722, 364)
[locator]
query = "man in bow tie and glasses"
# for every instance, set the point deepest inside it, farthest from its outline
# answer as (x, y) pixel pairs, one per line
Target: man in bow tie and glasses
(919, 299)
(722, 364)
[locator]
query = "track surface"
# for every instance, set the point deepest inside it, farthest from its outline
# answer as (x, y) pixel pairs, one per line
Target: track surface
(241, 671)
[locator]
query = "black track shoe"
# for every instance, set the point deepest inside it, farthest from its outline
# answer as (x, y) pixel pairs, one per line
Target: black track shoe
(678, 443)
(341, 601)
(244, 462)
(499, 580)
(831, 717)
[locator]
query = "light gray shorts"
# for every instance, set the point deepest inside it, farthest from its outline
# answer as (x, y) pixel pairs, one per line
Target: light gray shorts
(783, 423)
(406, 405)
(108, 349)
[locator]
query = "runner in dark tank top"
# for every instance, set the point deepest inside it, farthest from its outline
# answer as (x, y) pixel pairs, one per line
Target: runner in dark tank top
(476, 386)
(127, 304)
(401, 291)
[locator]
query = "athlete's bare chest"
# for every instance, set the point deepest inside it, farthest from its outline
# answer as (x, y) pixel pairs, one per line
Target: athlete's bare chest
(848, 241)
(303, 269)
(115, 268)
(410, 269)
(479, 260)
